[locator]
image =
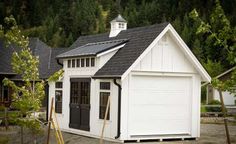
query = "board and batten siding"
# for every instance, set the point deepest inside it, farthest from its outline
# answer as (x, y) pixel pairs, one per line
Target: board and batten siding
(166, 56)
(166, 59)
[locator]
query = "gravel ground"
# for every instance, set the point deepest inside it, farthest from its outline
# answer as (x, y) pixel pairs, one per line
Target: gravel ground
(210, 134)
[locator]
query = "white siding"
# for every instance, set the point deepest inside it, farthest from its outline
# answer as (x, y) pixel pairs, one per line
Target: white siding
(95, 122)
(228, 98)
(165, 56)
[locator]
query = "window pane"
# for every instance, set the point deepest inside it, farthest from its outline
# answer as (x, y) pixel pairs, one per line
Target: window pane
(103, 104)
(105, 85)
(92, 62)
(69, 64)
(78, 63)
(5, 93)
(73, 63)
(87, 62)
(82, 62)
(58, 84)
(58, 101)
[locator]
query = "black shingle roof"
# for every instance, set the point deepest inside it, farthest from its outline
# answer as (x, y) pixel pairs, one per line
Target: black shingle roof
(139, 39)
(92, 48)
(5, 59)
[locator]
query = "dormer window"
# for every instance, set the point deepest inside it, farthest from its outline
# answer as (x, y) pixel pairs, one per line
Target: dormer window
(121, 25)
(81, 62)
(73, 63)
(69, 63)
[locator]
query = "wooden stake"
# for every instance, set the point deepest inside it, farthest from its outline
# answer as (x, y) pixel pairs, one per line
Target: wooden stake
(105, 119)
(49, 122)
(57, 128)
(6, 117)
(225, 116)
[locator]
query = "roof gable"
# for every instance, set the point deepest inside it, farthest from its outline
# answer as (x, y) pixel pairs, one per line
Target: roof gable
(205, 76)
(139, 39)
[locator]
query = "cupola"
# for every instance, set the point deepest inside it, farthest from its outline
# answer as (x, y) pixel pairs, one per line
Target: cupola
(117, 25)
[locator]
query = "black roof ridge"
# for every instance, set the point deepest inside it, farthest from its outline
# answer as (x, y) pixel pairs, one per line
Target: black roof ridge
(105, 42)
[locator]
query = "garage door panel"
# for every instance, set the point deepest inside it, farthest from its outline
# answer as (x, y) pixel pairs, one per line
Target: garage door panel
(159, 105)
(162, 96)
(160, 111)
(148, 129)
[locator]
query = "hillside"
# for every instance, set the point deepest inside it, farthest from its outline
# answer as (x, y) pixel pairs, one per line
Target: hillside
(60, 22)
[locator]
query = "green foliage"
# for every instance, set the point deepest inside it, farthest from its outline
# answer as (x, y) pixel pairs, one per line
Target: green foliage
(43, 18)
(214, 102)
(221, 37)
(56, 75)
(26, 98)
(213, 68)
(214, 109)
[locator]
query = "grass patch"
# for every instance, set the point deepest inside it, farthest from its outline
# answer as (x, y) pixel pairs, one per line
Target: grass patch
(4, 140)
(203, 109)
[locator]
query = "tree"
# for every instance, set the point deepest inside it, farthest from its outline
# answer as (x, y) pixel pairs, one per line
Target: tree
(26, 98)
(222, 35)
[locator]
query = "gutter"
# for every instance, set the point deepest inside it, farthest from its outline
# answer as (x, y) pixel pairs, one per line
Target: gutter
(119, 108)
(58, 62)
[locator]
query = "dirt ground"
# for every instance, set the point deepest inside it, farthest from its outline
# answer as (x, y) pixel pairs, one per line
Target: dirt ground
(210, 134)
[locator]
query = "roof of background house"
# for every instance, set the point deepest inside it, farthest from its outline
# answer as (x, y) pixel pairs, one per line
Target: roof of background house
(139, 39)
(47, 55)
(223, 76)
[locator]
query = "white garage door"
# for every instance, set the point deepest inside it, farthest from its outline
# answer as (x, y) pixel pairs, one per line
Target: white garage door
(160, 105)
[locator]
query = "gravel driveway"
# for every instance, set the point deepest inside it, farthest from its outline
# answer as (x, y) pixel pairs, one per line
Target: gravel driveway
(210, 134)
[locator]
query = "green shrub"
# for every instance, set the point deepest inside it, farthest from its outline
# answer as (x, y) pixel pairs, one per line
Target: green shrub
(214, 102)
(214, 109)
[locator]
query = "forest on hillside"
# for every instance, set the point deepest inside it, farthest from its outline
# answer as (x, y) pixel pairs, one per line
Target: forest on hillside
(60, 22)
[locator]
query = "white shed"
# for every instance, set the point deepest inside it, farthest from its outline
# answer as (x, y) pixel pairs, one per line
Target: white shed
(152, 77)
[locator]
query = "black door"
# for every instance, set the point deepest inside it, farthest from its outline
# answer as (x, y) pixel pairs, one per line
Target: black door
(80, 103)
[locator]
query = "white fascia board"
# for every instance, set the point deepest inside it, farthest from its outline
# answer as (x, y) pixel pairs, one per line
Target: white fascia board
(206, 77)
(197, 64)
(145, 52)
(110, 50)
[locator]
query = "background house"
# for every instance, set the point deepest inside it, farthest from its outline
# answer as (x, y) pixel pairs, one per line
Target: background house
(47, 66)
(151, 76)
(213, 94)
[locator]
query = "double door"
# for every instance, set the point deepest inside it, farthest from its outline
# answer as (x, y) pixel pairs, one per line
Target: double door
(80, 103)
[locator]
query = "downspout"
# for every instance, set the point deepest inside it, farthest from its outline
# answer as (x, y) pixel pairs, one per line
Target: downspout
(119, 109)
(58, 62)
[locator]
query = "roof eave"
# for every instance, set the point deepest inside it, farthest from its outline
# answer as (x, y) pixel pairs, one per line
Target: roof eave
(106, 77)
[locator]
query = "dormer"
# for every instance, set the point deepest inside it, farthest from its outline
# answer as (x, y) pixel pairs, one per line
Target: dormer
(117, 25)
(88, 58)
